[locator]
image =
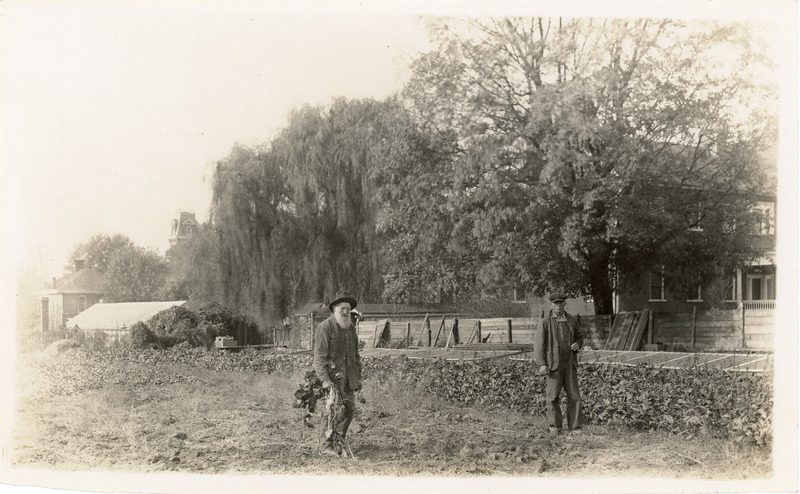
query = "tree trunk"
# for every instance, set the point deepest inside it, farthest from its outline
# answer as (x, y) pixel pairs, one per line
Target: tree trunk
(602, 291)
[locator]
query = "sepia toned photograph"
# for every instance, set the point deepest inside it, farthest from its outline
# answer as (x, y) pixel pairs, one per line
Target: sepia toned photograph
(274, 247)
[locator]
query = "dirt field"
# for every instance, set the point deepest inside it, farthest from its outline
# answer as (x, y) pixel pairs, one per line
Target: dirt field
(184, 419)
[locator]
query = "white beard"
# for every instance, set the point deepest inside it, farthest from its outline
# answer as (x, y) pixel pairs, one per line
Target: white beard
(343, 321)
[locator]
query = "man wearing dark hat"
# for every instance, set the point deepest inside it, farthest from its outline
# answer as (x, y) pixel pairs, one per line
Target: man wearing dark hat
(338, 365)
(555, 349)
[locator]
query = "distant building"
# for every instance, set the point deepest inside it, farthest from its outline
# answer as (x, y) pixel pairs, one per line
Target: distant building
(70, 295)
(118, 316)
(751, 286)
(183, 227)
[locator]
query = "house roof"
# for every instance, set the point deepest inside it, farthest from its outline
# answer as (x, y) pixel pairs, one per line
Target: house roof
(83, 281)
(376, 309)
(119, 315)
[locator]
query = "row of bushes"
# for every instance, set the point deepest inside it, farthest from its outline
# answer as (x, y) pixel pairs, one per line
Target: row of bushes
(197, 329)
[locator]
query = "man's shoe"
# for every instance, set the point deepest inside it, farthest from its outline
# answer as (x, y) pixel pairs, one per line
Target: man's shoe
(576, 431)
(554, 431)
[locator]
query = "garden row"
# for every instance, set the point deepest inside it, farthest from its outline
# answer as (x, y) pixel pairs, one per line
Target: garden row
(688, 402)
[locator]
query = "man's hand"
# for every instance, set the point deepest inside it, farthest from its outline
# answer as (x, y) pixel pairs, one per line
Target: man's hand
(574, 347)
(326, 384)
(543, 370)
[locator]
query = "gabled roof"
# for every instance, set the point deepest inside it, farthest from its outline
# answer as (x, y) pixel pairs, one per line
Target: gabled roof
(83, 281)
(119, 315)
(383, 309)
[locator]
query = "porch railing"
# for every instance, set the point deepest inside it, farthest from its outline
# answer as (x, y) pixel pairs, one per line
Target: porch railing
(758, 304)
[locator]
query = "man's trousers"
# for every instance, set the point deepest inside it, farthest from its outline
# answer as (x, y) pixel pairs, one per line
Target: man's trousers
(565, 377)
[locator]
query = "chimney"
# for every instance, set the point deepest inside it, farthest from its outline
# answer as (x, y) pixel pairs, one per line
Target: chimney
(54, 282)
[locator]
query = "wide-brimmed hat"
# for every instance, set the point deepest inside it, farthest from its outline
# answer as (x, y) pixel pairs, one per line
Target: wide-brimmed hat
(557, 296)
(343, 298)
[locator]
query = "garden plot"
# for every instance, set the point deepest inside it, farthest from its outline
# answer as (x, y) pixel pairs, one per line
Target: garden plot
(743, 362)
(441, 353)
(192, 410)
(752, 362)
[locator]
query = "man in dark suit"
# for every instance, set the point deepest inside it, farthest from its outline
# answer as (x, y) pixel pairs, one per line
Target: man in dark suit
(338, 365)
(555, 349)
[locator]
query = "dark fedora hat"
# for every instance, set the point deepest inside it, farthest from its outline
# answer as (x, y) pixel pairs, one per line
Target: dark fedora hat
(343, 298)
(557, 296)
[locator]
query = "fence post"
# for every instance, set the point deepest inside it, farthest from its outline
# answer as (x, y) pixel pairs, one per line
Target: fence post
(744, 340)
(480, 340)
(508, 323)
(408, 333)
(455, 331)
(650, 329)
(311, 324)
(694, 327)
(428, 326)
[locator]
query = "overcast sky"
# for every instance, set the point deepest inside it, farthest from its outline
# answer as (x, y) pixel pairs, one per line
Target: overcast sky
(114, 112)
(119, 110)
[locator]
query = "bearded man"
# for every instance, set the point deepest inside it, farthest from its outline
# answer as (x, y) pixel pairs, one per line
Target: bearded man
(338, 365)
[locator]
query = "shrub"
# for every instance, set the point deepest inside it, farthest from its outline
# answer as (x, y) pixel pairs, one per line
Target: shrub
(142, 337)
(199, 329)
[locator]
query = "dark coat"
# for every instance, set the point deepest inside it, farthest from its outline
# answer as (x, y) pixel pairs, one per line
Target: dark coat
(336, 351)
(545, 340)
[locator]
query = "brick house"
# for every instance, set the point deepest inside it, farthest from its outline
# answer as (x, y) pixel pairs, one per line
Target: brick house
(751, 286)
(70, 295)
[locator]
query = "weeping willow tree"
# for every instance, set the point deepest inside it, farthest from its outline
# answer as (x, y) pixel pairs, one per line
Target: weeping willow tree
(297, 218)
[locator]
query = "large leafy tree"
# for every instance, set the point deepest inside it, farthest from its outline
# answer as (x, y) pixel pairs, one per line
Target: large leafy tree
(99, 250)
(588, 148)
(301, 218)
(135, 274)
(194, 268)
(132, 273)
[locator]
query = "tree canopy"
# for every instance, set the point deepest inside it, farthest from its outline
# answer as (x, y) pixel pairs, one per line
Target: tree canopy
(588, 148)
(132, 273)
(300, 218)
(548, 153)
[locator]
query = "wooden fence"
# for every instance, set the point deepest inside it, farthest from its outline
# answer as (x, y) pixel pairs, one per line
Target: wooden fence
(441, 332)
(743, 329)
(737, 329)
(39, 340)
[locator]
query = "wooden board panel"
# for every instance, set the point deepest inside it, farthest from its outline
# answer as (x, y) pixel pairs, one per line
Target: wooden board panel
(619, 330)
(625, 341)
(635, 339)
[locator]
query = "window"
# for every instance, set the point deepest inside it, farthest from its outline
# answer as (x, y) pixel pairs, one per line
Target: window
(695, 293)
(729, 288)
(763, 219)
(520, 296)
(657, 285)
(695, 219)
(728, 225)
(81, 303)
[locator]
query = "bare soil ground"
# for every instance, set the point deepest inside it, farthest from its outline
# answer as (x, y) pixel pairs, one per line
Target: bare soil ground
(224, 421)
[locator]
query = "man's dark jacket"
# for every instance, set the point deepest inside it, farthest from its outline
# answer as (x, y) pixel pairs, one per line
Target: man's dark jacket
(545, 340)
(336, 351)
